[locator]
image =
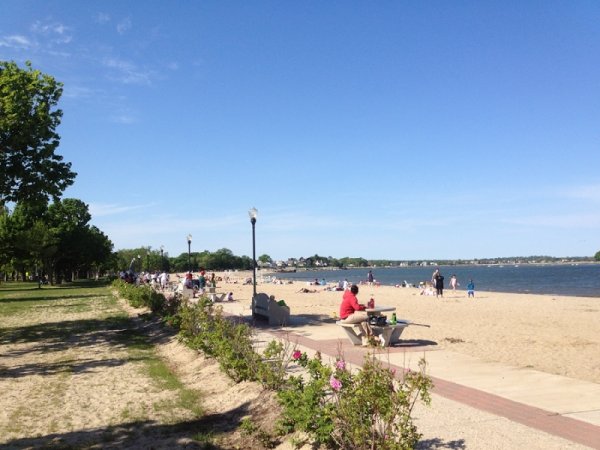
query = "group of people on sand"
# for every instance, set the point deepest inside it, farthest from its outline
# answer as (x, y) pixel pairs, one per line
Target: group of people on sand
(437, 281)
(200, 284)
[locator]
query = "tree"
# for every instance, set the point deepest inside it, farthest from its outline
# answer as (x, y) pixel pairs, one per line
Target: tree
(30, 170)
(265, 259)
(597, 256)
(80, 246)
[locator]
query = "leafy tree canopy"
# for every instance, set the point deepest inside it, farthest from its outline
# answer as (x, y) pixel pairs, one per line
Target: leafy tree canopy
(265, 259)
(30, 170)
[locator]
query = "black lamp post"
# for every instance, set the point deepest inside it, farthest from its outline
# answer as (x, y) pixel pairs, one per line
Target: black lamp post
(148, 261)
(189, 241)
(253, 213)
(162, 263)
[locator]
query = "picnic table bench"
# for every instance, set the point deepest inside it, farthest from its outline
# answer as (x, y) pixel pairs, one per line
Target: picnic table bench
(390, 332)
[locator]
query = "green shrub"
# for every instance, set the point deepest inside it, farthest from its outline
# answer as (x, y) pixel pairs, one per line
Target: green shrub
(142, 296)
(231, 342)
(365, 410)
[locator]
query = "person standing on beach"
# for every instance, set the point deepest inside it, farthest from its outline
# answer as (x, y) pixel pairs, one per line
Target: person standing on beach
(201, 282)
(453, 282)
(370, 278)
(471, 289)
(438, 283)
(353, 312)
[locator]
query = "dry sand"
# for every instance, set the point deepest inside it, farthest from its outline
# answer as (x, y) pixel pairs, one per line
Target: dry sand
(89, 390)
(553, 334)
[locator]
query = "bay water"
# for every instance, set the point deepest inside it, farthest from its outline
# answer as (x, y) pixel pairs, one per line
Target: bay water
(555, 279)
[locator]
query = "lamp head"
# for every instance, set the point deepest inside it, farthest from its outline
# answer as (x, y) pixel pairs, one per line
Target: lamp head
(189, 238)
(253, 213)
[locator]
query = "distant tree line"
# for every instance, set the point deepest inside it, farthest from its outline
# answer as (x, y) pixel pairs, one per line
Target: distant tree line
(149, 260)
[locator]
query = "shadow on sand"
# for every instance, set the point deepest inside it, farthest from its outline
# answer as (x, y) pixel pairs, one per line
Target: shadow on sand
(116, 331)
(194, 434)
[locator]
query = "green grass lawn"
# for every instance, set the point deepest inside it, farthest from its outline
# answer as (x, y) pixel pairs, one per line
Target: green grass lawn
(61, 323)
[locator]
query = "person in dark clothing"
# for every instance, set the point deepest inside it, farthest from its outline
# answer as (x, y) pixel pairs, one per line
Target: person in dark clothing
(439, 285)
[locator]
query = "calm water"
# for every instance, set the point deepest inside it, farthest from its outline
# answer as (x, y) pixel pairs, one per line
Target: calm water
(579, 280)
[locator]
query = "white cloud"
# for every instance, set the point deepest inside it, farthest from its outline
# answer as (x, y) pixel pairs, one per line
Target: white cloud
(125, 119)
(56, 32)
(128, 72)
(102, 18)
(16, 41)
(77, 92)
(124, 25)
(589, 192)
(111, 209)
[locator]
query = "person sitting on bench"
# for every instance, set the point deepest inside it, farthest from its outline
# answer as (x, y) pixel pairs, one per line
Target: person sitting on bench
(353, 312)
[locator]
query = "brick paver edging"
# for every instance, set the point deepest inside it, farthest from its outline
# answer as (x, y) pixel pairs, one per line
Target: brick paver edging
(553, 423)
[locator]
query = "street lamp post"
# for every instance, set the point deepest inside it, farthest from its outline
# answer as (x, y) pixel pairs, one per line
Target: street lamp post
(162, 263)
(189, 241)
(148, 261)
(253, 213)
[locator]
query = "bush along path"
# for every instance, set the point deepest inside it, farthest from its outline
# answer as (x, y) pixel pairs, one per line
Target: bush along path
(329, 405)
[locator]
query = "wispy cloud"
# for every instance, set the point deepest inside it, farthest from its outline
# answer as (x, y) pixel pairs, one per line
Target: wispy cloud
(127, 72)
(102, 18)
(42, 36)
(124, 25)
(55, 32)
(16, 41)
(111, 209)
(77, 92)
(588, 192)
(124, 119)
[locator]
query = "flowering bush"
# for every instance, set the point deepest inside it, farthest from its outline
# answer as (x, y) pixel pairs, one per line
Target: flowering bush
(363, 410)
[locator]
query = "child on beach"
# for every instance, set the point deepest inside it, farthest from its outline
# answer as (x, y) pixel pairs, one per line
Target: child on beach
(453, 282)
(471, 289)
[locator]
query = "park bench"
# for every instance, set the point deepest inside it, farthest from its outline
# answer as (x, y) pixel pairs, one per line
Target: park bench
(264, 306)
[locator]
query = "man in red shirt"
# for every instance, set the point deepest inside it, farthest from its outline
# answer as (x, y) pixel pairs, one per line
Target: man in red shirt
(353, 312)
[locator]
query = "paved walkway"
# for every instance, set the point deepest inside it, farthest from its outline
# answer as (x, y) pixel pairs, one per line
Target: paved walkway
(554, 404)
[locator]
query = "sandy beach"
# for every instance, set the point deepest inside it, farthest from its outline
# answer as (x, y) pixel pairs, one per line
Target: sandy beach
(105, 393)
(553, 334)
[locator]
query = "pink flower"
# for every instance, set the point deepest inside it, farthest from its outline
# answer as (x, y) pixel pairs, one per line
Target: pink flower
(341, 364)
(335, 384)
(297, 355)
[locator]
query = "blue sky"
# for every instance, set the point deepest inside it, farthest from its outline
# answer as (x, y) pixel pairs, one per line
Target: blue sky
(398, 130)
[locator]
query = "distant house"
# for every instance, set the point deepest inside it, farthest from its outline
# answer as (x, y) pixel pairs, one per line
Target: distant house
(292, 262)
